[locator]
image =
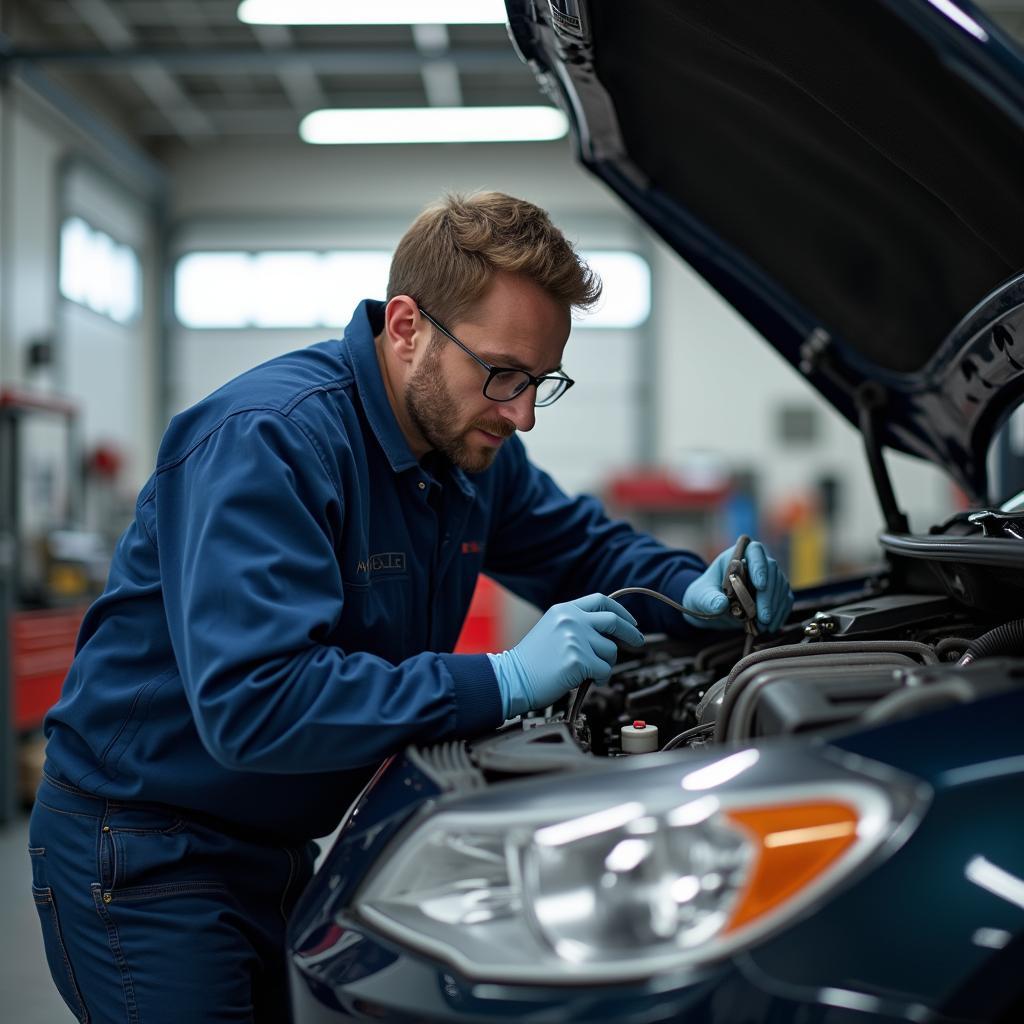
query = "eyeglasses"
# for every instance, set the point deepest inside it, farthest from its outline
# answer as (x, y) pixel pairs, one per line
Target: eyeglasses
(504, 383)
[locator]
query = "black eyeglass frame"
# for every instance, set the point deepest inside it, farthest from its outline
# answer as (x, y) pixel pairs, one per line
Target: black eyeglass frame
(493, 371)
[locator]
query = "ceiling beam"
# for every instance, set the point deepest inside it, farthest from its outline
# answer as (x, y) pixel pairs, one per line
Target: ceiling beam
(252, 121)
(439, 73)
(230, 60)
(153, 78)
(299, 81)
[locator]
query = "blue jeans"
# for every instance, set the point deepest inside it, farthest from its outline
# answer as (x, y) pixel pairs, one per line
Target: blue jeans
(149, 916)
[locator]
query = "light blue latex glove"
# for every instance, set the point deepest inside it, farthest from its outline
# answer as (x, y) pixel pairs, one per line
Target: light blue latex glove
(572, 642)
(774, 598)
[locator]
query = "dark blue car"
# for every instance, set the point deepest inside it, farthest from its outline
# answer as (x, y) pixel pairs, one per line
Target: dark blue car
(831, 827)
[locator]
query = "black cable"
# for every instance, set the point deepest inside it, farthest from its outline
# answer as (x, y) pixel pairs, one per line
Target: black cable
(647, 592)
(688, 734)
(584, 688)
(577, 702)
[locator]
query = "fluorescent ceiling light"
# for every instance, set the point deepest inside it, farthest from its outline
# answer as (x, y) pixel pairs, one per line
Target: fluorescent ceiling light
(434, 124)
(375, 12)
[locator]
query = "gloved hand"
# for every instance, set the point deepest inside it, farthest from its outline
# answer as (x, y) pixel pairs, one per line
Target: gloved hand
(774, 598)
(572, 642)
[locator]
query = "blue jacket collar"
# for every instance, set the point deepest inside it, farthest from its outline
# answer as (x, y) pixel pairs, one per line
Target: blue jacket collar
(366, 323)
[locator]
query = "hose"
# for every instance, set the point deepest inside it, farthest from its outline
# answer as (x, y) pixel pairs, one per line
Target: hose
(923, 651)
(863, 667)
(1005, 639)
(682, 737)
(952, 645)
(731, 694)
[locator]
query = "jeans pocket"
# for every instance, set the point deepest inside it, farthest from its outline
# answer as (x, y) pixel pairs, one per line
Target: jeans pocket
(56, 954)
(142, 847)
(142, 820)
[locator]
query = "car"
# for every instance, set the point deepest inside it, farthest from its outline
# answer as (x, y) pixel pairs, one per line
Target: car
(826, 825)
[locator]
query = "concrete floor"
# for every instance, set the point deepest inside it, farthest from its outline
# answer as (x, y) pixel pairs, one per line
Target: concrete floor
(27, 995)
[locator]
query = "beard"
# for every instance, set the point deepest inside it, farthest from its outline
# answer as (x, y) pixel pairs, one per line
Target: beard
(433, 412)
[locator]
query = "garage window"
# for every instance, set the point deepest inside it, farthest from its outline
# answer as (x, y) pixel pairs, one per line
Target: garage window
(304, 288)
(99, 273)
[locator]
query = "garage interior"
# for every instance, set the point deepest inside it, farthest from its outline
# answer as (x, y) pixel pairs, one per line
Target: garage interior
(165, 225)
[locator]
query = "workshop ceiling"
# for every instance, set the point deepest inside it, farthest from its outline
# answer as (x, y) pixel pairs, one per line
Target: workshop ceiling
(189, 70)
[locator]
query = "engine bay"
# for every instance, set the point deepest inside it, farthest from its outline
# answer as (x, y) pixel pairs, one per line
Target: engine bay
(870, 659)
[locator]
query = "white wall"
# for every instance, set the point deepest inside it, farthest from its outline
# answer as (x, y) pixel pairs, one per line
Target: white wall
(54, 170)
(29, 297)
(108, 367)
(325, 181)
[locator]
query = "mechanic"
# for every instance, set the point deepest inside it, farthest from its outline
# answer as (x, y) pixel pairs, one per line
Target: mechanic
(280, 612)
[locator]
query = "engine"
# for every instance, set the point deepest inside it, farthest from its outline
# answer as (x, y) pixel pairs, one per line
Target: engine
(874, 659)
(878, 658)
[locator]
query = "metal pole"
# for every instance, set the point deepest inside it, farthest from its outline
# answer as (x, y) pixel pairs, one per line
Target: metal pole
(647, 451)
(8, 508)
(165, 324)
(8, 583)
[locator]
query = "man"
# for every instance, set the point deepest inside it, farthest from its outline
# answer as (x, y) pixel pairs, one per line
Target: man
(278, 614)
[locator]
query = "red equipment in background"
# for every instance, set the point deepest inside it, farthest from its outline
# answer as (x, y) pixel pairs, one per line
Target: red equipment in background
(45, 584)
(483, 630)
(684, 509)
(42, 646)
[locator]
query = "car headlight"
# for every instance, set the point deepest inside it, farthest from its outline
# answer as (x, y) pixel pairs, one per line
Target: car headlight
(660, 868)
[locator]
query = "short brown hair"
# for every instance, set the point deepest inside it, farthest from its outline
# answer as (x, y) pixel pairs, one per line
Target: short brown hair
(451, 252)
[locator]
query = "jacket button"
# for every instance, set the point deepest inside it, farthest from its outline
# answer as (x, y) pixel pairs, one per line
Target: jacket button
(106, 828)
(107, 897)
(422, 486)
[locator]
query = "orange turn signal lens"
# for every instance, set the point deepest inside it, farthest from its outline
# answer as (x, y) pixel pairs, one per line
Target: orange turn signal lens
(793, 845)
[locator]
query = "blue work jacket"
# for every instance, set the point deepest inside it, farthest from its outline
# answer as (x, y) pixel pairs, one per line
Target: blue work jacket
(280, 612)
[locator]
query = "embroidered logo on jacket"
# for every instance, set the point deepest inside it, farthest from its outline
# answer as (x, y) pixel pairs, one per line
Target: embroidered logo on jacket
(472, 547)
(387, 561)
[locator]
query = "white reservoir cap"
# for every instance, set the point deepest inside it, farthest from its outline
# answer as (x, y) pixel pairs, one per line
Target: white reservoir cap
(639, 738)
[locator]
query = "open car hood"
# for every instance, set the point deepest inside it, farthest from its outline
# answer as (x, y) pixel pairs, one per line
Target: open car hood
(848, 175)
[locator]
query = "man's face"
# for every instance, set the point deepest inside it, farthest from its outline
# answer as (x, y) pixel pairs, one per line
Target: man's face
(516, 325)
